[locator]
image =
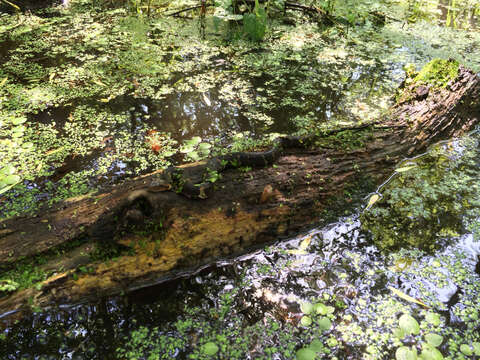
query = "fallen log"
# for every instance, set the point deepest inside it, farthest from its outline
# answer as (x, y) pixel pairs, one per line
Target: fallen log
(172, 224)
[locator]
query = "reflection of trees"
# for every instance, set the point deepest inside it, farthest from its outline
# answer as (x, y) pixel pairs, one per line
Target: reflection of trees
(459, 13)
(442, 6)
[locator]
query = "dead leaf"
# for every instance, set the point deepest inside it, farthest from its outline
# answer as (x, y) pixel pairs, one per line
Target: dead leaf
(405, 168)
(266, 194)
(54, 151)
(160, 187)
(98, 82)
(206, 100)
(305, 242)
(297, 252)
(406, 297)
(373, 199)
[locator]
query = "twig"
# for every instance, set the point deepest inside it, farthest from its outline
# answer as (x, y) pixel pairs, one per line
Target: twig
(190, 8)
(288, 5)
(295, 6)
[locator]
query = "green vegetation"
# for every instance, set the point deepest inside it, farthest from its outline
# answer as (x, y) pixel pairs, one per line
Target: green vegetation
(100, 91)
(429, 198)
(437, 73)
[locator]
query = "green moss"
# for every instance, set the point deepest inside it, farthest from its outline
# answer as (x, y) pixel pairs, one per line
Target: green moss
(437, 73)
(27, 272)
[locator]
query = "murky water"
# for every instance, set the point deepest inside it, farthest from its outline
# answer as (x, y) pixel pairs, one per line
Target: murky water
(251, 307)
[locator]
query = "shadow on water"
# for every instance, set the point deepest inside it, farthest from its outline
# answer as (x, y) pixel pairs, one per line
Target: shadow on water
(5, 47)
(26, 5)
(183, 115)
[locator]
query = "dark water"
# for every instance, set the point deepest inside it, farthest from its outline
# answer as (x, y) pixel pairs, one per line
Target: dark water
(26, 5)
(183, 115)
(273, 284)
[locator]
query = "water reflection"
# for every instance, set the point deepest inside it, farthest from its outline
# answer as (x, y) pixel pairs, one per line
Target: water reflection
(337, 260)
(459, 14)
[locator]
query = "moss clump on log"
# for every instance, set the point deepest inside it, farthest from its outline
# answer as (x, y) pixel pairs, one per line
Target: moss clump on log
(437, 73)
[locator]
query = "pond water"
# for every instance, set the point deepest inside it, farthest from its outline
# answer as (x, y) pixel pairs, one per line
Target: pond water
(328, 291)
(98, 114)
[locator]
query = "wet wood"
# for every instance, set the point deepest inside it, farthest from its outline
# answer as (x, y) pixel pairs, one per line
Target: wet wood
(172, 234)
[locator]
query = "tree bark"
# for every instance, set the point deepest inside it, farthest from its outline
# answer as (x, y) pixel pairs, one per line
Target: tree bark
(175, 234)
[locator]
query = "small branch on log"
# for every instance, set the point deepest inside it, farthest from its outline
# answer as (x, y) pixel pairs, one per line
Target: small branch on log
(295, 6)
(176, 13)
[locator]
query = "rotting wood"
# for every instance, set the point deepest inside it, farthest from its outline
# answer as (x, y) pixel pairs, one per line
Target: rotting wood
(236, 216)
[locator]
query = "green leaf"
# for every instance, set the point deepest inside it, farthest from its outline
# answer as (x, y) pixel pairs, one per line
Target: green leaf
(169, 153)
(305, 354)
(476, 348)
(405, 353)
(194, 156)
(193, 141)
(255, 24)
(465, 349)
(8, 170)
(11, 179)
(27, 145)
(399, 333)
(316, 345)
(434, 339)
(306, 321)
(433, 318)
(430, 353)
(409, 324)
(210, 348)
(8, 285)
(19, 129)
(204, 146)
(320, 309)
(324, 323)
(187, 149)
(306, 308)
(5, 189)
(18, 120)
